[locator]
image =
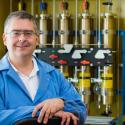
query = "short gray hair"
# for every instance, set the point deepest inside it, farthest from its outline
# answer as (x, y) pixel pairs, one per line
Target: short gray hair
(20, 15)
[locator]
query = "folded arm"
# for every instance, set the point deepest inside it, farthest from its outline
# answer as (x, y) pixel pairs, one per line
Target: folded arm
(9, 117)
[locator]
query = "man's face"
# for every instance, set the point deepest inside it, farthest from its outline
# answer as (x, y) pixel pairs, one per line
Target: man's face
(20, 39)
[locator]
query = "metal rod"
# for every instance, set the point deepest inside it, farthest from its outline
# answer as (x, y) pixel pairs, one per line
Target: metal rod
(99, 40)
(32, 7)
(76, 25)
(118, 48)
(11, 4)
(53, 42)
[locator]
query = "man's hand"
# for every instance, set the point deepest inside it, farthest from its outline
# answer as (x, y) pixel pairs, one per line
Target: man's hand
(48, 108)
(66, 117)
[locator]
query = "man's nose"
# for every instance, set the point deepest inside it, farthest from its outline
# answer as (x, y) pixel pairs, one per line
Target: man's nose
(22, 36)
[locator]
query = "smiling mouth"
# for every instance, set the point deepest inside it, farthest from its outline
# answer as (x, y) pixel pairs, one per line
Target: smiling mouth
(22, 46)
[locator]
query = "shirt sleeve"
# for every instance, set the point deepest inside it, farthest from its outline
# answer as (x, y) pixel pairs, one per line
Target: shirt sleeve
(72, 99)
(10, 116)
(78, 109)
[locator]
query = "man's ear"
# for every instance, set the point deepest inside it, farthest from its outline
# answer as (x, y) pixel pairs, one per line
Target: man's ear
(4, 38)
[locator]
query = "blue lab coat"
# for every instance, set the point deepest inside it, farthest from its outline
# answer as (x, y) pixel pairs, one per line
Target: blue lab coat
(16, 103)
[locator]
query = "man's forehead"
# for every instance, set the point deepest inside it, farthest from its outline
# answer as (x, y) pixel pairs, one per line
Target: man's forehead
(17, 23)
(21, 23)
(20, 19)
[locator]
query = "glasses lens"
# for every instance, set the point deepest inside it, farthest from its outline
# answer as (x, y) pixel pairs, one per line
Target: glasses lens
(18, 33)
(14, 34)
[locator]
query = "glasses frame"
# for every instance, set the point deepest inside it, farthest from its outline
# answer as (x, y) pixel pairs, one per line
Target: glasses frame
(18, 33)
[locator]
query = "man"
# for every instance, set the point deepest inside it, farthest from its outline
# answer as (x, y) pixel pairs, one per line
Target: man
(30, 87)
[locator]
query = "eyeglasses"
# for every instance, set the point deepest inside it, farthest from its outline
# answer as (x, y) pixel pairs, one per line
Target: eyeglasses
(17, 33)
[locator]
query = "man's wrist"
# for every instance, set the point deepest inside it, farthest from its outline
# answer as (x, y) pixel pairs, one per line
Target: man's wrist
(62, 101)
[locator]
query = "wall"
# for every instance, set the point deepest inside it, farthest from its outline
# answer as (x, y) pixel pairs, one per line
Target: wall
(4, 10)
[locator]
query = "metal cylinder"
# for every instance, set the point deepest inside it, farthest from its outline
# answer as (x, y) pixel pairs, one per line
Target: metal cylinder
(21, 5)
(45, 25)
(108, 30)
(43, 29)
(107, 85)
(84, 74)
(64, 28)
(64, 36)
(85, 30)
(84, 84)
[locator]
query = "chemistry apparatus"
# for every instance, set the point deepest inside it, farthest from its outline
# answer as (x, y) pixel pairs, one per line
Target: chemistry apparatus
(85, 39)
(109, 32)
(80, 55)
(45, 26)
(64, 24)
(104, 87)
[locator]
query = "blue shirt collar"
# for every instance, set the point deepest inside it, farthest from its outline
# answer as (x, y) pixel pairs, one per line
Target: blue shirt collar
(4, 64)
